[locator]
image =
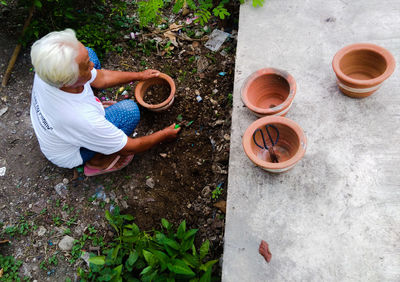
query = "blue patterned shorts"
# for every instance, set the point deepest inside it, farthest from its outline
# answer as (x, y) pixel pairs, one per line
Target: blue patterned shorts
(125, 115)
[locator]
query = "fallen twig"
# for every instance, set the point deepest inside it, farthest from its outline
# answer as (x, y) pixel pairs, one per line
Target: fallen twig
(16, 50)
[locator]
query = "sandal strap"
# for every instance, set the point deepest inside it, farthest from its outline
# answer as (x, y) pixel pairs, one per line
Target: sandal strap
(112, 164)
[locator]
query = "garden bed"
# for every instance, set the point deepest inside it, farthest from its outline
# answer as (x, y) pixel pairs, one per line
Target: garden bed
(185, 179)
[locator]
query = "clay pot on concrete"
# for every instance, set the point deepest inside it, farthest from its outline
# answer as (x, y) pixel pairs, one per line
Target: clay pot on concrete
(361, 68)
(142, 89)
(290, 146)
(269, 92)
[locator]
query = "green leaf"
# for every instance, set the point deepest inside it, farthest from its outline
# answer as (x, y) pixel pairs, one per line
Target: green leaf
(127, 217)
(150, 258)
(115, 252)
(98, 260)
(172, 243)
(208, 265)
(133, 256)
(162, 257)
(191, 260)
(181, 230)
(165, 223)
(180, 267)
(206, 277)
(37, 3)
(118, 270)
(110, 219)
(190, 233)
(134, 228)
(146, 270)
(203, 251)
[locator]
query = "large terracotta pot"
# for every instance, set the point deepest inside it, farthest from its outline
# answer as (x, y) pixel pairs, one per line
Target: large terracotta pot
(361, 68)
(269, 92)
(289, 148)
(143, 86)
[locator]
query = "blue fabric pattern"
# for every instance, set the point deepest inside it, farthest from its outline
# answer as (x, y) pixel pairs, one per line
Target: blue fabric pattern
(125, 115)
(93, 58)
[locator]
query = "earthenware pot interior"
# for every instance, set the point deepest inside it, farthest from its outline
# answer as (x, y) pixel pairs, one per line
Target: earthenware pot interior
(153, 81)
(286, 147)
(363, 64)
(268, 91)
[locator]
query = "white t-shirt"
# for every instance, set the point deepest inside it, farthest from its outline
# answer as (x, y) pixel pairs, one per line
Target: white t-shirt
(64, 122)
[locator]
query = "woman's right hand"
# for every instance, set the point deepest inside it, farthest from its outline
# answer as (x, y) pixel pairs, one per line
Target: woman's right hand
(170, 132)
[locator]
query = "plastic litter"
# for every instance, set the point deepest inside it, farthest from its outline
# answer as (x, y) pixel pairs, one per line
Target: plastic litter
(222, 73)
(198, 98)
(112, 208)
(61, 190)
(177, 126)
(217, 38)
(80, 169)
(2, 171)
(189, 123)
(124, 92)
(100, 194)
(3, 111)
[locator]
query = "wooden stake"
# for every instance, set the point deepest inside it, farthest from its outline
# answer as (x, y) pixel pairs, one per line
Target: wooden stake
(16, 50)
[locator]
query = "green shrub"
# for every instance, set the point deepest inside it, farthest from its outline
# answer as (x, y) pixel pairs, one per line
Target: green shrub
(165, 255)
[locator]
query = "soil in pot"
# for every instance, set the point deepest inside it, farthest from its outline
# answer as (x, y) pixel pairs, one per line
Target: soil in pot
(157, 93)
(272, 90)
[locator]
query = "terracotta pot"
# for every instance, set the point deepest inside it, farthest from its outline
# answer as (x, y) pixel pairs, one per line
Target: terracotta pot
(289, 148)
(361, 68)
(143, 86)
(269, 92)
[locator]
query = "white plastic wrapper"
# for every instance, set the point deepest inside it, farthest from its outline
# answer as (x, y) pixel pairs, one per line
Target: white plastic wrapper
(217, 38)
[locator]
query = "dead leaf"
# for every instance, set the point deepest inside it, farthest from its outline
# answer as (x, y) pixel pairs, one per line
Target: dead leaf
(195, 44)
(175, 27)
(4, 242)
(264, 251)
(1, 273)
(172, 37)
(221, 205)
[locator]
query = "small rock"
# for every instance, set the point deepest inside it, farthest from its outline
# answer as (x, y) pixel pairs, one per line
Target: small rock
(206, 191)
(2, 171)
(85, 256)
(227, 137)
(215, 91)
(65, 181)
(150, 182)
(124, 204)
(189, 206)
(164, 155)
(202, 64)
(66, 243)
(197, 92)
(41, 231)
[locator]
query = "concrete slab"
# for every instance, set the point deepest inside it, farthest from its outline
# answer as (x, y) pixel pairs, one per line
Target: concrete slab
(336, 215)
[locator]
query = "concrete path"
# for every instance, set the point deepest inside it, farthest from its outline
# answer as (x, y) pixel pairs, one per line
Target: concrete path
(336, 215)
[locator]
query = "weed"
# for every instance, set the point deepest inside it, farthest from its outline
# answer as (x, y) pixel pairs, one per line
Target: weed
(102, 204)
(57, 220)
(58, 203)
(21, 228)
(43, 211)
(192, 59)
(230, 99)
(67, 231)
(217, 192)
(92, 230)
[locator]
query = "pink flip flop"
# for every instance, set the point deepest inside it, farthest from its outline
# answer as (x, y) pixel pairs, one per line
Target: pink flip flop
(89, 171)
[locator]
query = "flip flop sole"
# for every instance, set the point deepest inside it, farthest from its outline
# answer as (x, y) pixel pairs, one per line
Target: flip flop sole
(88, 171)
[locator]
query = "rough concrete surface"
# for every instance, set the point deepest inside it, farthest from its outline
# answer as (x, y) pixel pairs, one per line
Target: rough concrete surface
(336, 215)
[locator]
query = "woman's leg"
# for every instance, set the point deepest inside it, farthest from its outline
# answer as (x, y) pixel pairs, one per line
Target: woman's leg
(125, 115)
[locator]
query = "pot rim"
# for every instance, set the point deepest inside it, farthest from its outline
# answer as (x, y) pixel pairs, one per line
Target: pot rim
(247, 139)
(140, 100)
(388, 57)
(250, 79)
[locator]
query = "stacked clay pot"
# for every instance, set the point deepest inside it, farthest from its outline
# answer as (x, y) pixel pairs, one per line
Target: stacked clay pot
(361, 68)
(289, 149)
(269, 92)
(144, 85)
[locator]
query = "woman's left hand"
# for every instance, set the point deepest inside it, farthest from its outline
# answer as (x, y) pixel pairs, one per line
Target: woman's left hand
(149, 74)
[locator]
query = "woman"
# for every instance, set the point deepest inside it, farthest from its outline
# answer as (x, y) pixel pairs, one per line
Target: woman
(70, 123)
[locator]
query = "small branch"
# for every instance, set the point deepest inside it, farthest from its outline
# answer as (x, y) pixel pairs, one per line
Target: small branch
(17, 49)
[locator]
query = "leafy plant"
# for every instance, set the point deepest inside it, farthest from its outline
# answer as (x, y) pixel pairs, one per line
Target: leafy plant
(217, 192)
(10, 266)
(165, 255)
(149, 11)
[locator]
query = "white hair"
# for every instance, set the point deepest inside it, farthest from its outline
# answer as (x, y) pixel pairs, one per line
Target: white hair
(53, 57)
